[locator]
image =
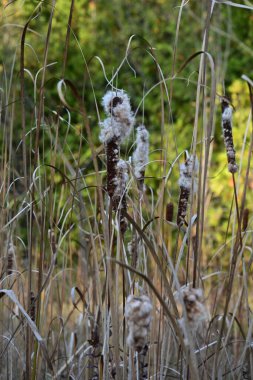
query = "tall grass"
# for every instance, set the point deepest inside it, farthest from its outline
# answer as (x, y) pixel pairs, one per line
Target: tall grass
(101, 281)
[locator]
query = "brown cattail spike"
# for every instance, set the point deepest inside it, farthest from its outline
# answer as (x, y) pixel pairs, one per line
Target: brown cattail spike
(114, 130)
(228, 135)
(112, 159)
(10, 258)
(186, 183)
(32, 306)
(245, 219)
(169, 212)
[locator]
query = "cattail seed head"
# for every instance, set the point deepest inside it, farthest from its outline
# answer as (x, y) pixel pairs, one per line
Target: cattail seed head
(245, 219)
(228, 135)
(187, 181)
(195, 309)
(119, 196)
(120, 118)
(140, 155)
(169, 212)
(32, 306)
(138, 317)
(10, 258)
(114, 129)
(120, 182)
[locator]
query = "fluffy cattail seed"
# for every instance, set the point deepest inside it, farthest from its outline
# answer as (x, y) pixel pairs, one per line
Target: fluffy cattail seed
(195, 309)
(140, 155)
(169, 212)
(120, 117)
(138, 317)
(228, 135)
(245, 219)
(119, 196)
(10, 258)
(187, 172)
(114, 129)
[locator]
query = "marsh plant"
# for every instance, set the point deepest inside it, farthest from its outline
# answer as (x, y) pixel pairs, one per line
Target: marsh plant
(126, 217)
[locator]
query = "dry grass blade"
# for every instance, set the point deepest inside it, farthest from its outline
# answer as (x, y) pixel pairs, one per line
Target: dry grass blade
(33, 327)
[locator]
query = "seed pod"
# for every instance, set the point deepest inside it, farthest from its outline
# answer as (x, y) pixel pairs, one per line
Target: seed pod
(228, 135)
(187, 172)
(138, 317)
(10, 258)
(140, 155)
(169, 212)
(245, 219)
(195, 309)
(32, 306)
(112, 159)
(114, 129)
(119, 197)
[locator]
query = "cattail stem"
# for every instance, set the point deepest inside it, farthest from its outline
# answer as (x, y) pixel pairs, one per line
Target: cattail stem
(228, 135)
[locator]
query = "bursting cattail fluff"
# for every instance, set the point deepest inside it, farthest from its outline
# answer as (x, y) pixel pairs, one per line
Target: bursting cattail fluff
(138, 317)
(195, 309)
(114, 130)
(120, 116)
(187, 179)
(120, 182)
(119, 196)
(140, 155)
(228, 135)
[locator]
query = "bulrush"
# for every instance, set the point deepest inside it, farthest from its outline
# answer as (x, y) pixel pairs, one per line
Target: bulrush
(228, 135)
(195, 309)
(169, 212)
(140, 156)
(138, 317)
(119, 196)
(245, 219)
(10, 258)
(188, 171)
(114, 129)
(32, 306)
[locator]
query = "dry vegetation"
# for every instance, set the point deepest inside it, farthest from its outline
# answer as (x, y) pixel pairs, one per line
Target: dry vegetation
(103, 275)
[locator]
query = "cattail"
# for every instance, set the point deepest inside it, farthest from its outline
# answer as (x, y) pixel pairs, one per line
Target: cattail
(138, 317)
(187, 172)
(10, 258)
(140, 155)
(195, 309)
(119, 197)
(120, 182)
(169, 212)
(228, 135)
(114, 129)
(32, 306)
(245, 219)
(132, 248)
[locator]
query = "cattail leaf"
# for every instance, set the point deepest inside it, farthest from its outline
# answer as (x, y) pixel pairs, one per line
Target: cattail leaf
(156, 258)
(73, 290)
